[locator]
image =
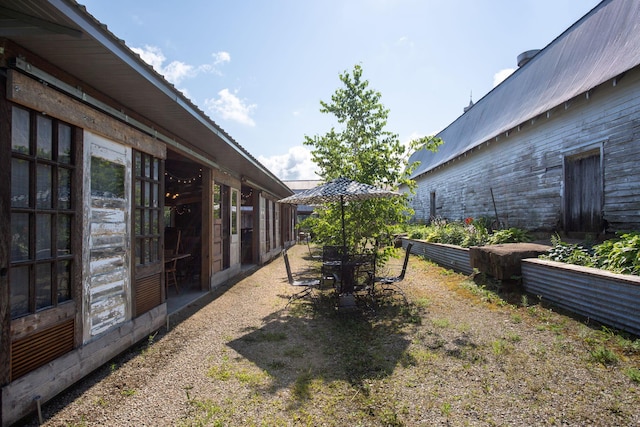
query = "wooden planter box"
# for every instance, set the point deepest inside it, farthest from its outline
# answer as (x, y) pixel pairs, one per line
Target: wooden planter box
(609, 298)
(448, 256)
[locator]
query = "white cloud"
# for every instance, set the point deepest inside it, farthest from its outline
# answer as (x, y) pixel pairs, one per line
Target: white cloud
(221, 57)
(295, 164)
(177, 71)
(501, 75)
(229, 107)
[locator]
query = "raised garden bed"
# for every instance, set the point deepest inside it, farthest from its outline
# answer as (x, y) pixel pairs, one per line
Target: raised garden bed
(609, 298)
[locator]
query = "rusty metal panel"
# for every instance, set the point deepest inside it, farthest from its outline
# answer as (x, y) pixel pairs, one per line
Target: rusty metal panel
(37, 349)
(148, 293)
(611, 299)
(449, 256)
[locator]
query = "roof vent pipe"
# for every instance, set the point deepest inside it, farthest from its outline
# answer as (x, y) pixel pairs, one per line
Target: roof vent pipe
(525, 57)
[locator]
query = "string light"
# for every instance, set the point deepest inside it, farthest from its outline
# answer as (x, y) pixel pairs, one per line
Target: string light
(181, 180)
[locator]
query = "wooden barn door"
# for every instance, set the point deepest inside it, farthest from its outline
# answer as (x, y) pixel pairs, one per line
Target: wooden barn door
(583, 193)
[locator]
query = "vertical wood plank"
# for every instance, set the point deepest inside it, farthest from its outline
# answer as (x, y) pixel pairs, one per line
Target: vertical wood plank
(207, 229)
(5, 237)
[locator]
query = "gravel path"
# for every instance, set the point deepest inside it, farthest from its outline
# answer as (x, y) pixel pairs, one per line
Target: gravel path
(455, 355)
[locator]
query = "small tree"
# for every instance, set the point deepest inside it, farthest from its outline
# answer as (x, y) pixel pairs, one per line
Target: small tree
(362, 150)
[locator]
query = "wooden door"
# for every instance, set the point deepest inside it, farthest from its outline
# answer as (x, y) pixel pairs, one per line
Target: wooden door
(583, 193)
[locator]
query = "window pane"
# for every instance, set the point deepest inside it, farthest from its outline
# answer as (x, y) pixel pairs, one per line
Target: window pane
(64, 281)
(138, 195)
(138, 222)
(156, 222)
(138, 163)
(64, 143)
(20, 130)
(147, 193)
(43, 236)
(146, 218)
(155, 195)
(64, 188)
(64, 235)
(44, 132)
(107, 178)
(138, 251)
(234, 212)
(152, 222)
(155, 249)
(19, 237)
(147, 251)
(217, 196)
(147, 166)
(43, 286)
(19, 183)
(43, 190)
(19, 291)
(156, 168)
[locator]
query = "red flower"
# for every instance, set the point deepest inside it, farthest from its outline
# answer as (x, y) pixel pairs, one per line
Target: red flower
(468, 220)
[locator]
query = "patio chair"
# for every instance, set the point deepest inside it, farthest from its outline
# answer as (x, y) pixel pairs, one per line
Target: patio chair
(331, 264)
(388, 280)
(306, 285)
(389, 284)
(172, 246)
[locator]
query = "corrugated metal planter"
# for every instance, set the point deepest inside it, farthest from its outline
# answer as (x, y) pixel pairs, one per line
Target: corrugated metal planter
(609, 298)
(449, 256)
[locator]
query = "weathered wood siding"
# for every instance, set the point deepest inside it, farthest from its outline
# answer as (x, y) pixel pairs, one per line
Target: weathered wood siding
(107, 278)
(525, 167)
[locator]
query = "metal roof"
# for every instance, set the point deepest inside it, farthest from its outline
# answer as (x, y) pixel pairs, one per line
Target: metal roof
(600, 46)
(63, 33)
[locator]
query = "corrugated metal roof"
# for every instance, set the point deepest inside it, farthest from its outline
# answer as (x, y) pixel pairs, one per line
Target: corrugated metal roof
(64, 34)
(602, 45)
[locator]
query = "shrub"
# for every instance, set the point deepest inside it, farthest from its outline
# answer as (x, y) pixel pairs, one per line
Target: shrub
(570, 253)
(510, 235)
(470, 232)
(620, 255)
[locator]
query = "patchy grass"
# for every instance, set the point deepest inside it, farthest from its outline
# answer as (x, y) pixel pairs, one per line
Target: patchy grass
(454, 353)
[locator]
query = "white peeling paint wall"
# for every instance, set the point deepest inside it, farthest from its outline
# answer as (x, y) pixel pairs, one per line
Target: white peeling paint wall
(107, 287)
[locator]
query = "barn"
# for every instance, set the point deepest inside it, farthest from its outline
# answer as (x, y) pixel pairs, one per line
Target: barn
(115, 183)
(555, 146)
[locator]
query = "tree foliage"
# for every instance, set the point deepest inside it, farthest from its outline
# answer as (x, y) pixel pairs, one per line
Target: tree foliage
(361, 149)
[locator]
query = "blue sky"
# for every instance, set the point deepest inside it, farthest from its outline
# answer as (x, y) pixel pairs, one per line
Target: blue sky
(259, 68)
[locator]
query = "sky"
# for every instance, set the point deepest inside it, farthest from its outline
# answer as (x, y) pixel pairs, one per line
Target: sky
(259, 68)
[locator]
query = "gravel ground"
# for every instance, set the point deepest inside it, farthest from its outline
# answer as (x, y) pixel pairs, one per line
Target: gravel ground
(453, 355)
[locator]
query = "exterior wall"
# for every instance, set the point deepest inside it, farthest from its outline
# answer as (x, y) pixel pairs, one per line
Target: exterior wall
(524, 168)
(104, 302)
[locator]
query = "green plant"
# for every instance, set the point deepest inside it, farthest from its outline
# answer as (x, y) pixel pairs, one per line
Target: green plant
(571, 253)
(604, 356)
(633, 374)
(509, 235)
(620, 255)
(302, 387)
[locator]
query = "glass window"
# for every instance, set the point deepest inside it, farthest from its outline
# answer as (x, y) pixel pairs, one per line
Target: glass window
(44, 144)
(42, 215)
(147, 208)
(107, 179)
(20, 182)
(20, 130)
(234, 212)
